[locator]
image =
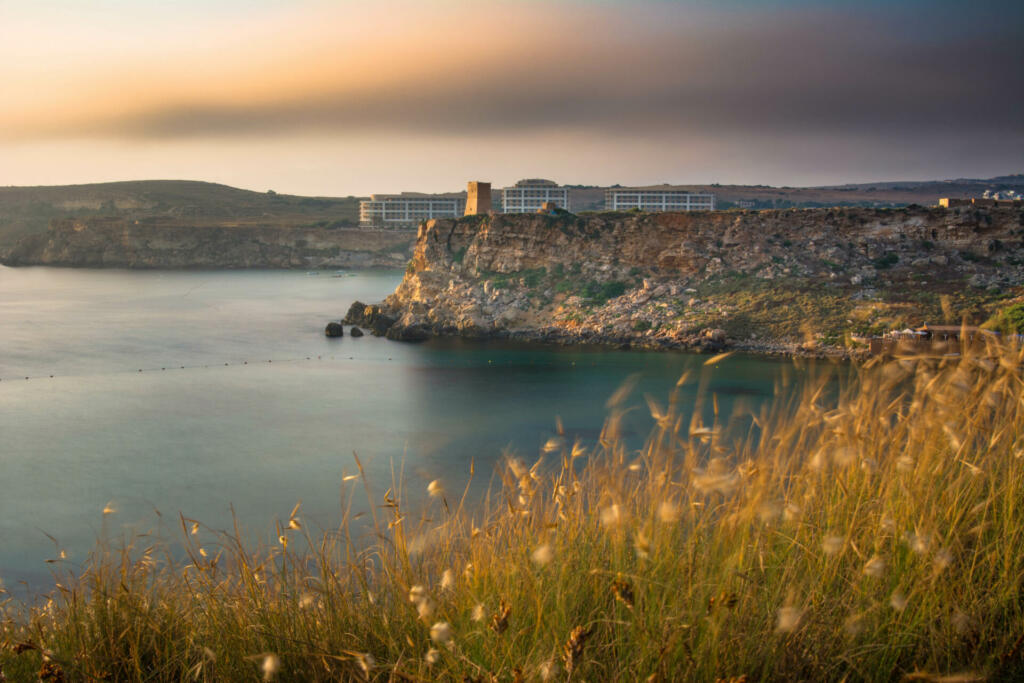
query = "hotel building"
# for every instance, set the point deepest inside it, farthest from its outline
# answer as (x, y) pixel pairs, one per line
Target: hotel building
(657, 199)
(529, 196)
(407, 210)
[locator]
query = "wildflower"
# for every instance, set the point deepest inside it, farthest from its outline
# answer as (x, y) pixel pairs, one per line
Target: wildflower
(447, 579)
(898, 601)
(943, 559)
(668, 512)
(270, 666)
(478, 612)
(918, 542)
(306, 600)
(548, 670)
(283, 541)
(611, 515)
(294, 524)
(441, 632)
(366, 662)
(435, 489)
(425, 608)
(642, 545)
(542, 555)
(110, 508)
(875, 567)
(789, 619)
(832, 544)
(195, 528)
(432, 656)
(888, 525)
(791, 512)
(905, 463)
(417, 594)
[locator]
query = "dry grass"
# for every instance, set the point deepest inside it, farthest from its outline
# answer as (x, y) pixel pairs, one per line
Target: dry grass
(869, 528)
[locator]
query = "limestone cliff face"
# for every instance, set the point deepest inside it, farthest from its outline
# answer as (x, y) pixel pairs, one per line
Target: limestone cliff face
(677, 279)
(122, 244)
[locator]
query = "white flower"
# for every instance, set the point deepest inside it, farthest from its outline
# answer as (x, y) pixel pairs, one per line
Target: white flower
(478, 611)
(441, 632)
(435, 489)
(270, 666)
(832, 544)
(875, 567)
(542, 555)
(668, 512)
(432, 656)
(898, 601)
(447, 579)
(417, 594)
(789, 619)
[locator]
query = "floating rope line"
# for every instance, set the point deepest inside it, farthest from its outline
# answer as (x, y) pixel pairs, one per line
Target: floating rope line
(297, 359)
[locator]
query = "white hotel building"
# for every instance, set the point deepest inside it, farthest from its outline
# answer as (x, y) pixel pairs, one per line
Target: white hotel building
(657, 199)
(407, 210)
(529, 196)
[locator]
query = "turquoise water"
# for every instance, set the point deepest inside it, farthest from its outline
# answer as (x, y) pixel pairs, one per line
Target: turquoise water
(243, 404)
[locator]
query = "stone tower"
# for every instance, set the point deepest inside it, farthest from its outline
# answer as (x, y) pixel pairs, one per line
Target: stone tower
(478, 198)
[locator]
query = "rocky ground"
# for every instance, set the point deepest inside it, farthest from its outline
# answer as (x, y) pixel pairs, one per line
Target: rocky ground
(778, 281)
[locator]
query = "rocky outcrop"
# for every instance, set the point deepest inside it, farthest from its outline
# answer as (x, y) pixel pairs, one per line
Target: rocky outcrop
(756, 279)
(100, 243)
(334, 329)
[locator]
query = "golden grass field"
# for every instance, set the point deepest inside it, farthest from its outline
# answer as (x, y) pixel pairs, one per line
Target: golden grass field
(868, 527)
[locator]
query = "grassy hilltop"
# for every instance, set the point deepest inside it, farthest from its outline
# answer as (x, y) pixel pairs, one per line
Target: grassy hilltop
(28, 210)
(867, 529)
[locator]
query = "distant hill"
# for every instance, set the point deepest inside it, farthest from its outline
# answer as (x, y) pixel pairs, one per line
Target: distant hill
(28, 211)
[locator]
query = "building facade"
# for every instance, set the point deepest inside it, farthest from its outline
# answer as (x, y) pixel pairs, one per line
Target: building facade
(653, 199)
(407, 210)
(529, 196)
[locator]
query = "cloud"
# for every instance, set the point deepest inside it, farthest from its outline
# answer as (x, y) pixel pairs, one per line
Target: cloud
(611, 71)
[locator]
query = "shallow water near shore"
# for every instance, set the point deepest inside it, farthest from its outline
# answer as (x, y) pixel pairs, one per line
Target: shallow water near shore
(212, 393)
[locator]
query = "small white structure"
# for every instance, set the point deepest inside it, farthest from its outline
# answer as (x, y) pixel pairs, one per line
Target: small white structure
(408, 209)
(530, 195)
(657, 199)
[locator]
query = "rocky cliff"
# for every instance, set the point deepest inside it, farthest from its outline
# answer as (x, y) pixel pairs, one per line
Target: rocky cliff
(770, 280)
(150, 244)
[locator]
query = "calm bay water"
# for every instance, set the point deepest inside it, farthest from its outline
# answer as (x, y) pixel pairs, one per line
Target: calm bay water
(242, 403)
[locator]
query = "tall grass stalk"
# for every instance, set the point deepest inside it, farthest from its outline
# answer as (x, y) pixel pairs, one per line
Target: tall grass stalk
(866, 528)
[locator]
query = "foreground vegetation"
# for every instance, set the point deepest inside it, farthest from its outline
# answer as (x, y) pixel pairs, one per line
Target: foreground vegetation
(867, 529)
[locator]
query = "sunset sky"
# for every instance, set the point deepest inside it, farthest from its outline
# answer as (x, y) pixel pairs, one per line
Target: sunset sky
(339, 98)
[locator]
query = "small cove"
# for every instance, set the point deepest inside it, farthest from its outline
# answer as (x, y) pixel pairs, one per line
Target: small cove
(213, 393)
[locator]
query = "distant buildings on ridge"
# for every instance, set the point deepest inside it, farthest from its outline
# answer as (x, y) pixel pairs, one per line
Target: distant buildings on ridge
(531, 195)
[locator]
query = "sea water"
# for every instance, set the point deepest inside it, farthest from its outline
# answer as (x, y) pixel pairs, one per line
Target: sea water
(215, 395)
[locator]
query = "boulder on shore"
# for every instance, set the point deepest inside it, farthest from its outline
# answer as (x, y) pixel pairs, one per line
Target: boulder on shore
(371, 317)
(355, 332)
(334, 329)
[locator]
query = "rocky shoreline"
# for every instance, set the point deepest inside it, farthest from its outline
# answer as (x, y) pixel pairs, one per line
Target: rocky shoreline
(793, 282)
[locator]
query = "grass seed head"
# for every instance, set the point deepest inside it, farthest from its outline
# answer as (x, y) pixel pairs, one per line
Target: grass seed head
(441, 632)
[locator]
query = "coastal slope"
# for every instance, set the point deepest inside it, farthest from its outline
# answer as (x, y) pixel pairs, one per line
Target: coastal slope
(116, 243)
(767, 280)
